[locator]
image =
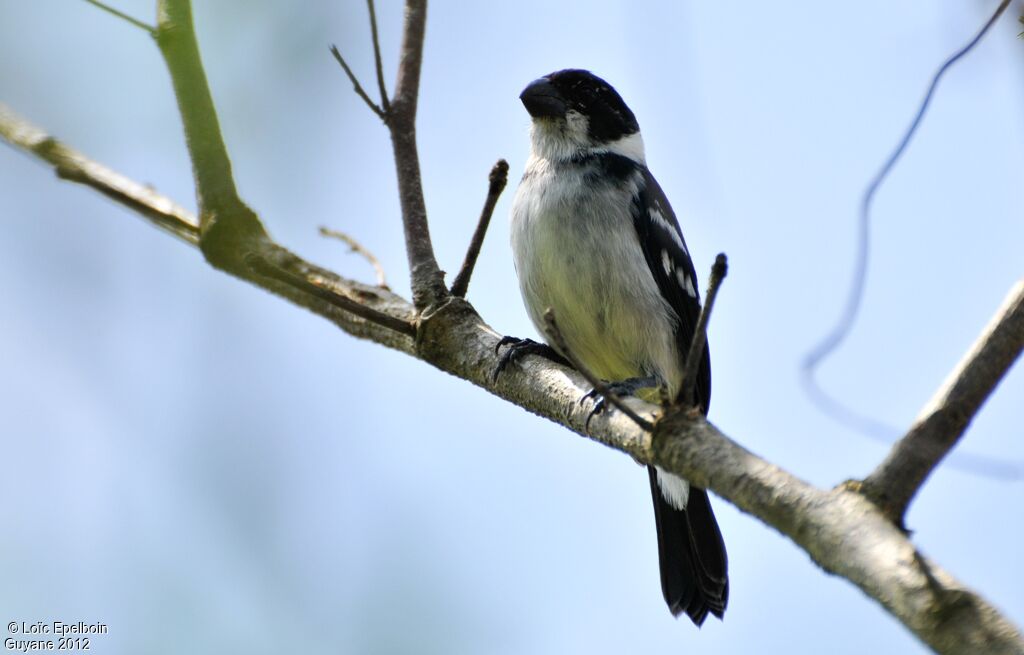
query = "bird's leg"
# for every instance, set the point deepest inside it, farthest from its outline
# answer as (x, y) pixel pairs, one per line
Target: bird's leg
(627, 387)
(519, 348)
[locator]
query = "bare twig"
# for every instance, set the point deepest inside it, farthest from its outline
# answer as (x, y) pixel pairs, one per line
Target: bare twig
(332, 295)
(359, 87)
(385, 103)
(825, 401)
(700, 333)
(498, 179)
(123, 16)
(76, 167)
(945, 418)
(356, 247)
(600, 387)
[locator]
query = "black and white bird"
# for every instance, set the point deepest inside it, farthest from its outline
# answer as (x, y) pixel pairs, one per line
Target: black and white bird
(595, 240)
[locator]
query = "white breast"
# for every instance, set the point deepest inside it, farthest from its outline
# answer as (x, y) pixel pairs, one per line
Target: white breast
(576, 252)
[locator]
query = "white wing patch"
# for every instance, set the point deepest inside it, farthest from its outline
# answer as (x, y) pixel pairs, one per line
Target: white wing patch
(686, 283)
(659, 218)
(666, 262)
(684, 280)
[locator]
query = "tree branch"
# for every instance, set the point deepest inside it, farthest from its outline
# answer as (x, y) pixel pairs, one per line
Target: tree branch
(322, 289)
(228, 228)
(358, 248)
(700, 333)
(427, 279)
(399, 114)
(123, 16)
(69, 164)
(333, 293)
(374, 107)
(844, 533)
(498, 179)
(944, 419)
(377, 64)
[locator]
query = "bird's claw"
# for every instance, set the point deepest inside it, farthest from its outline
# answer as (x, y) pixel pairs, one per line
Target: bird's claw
(620, 388)
(519, 348)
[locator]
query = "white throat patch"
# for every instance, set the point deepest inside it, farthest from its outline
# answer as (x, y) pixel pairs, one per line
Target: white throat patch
(559, 139)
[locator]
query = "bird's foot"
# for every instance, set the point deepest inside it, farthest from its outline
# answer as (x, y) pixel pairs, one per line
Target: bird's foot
(519, 348)
(620, 388)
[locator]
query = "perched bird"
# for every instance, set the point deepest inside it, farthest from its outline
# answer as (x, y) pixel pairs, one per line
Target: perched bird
(595, 240)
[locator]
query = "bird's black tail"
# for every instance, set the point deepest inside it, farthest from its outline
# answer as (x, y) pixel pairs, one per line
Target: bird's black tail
(694, 568)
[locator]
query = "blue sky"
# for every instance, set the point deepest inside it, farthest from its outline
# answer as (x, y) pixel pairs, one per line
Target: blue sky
(206, 468)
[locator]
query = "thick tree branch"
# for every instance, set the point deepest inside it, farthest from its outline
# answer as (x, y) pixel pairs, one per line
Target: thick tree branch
(228, 228)
(215, 183)
(427, 279)
(944, 419)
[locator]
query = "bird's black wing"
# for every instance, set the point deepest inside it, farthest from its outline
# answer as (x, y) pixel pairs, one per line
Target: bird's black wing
(691, 552)
(663, 245)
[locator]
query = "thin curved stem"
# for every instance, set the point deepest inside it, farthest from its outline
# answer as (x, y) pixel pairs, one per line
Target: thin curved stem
(835, 337)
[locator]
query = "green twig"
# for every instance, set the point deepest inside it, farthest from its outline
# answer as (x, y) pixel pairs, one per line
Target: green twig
(123, 16)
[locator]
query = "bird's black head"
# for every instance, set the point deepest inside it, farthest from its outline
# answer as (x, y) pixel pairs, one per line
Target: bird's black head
(572, 94)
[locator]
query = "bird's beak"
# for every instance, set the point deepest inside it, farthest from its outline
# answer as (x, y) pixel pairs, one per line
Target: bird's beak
(543, 100)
